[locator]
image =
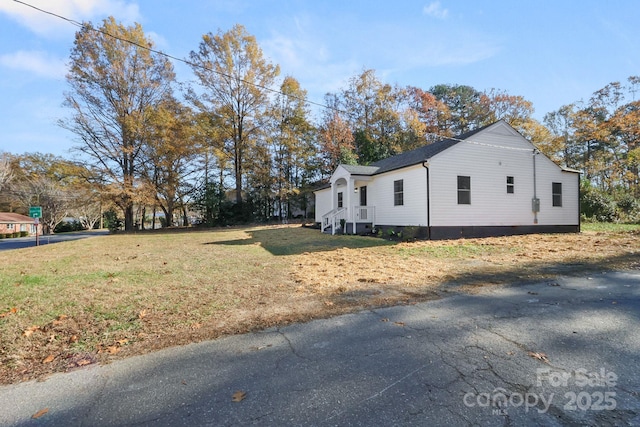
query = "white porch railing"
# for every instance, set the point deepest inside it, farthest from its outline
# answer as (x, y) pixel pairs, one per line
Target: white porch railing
(360, 214)
(332, 219)
(365, 214)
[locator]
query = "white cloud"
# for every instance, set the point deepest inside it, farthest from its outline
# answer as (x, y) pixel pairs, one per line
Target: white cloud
(435, 10)
(36, 62)
(305, 55)
(77, 10)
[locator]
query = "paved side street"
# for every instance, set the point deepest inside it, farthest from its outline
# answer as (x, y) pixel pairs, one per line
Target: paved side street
(563, 352)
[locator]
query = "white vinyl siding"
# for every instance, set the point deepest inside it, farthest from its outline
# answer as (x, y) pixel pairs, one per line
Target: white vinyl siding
(549, 173)
(380, 193)
(323, 203)
(494, 156)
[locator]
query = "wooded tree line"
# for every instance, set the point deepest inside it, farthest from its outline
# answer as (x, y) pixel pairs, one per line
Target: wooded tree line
(238, 143)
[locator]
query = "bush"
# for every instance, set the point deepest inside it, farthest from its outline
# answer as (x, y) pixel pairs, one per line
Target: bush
(112, 222)
(8, 235)
(597, 205)
(628, 208)
(68, 226)
(16, 234)
(24, 233)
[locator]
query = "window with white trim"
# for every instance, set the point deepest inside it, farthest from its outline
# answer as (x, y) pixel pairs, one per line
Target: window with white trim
(556, 193)
(510, 185)
(398, 192)
(464, 190)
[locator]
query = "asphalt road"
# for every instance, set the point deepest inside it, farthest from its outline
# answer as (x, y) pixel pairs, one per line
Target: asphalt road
(27, 242)
(564, 352)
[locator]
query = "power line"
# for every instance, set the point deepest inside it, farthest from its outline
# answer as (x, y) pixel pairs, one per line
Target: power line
(203, 67)
(484, 144)
(175, 58)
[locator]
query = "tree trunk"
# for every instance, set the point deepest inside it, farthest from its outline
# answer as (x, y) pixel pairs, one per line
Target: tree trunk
(128, 217)
(185, 218)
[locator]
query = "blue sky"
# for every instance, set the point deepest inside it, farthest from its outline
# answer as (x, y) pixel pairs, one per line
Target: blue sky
(550, 52)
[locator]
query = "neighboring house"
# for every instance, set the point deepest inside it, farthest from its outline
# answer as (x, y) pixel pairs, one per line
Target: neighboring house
(491, 181)
(15, 223)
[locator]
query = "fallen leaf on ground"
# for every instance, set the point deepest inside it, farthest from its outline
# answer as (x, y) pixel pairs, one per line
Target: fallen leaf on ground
(49, 359)
(40, 413)
(142, 314)
(384, 320)
(29, 331)
(113, 349)
(123, 341)
(399, 323)
(539, 356)
(11, 311)
(238, 396)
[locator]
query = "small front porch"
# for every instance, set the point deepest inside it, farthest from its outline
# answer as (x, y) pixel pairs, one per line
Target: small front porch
(350, 211)
(360, 220)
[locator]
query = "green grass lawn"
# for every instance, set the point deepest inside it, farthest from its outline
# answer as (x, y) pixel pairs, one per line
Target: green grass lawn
(73, 303)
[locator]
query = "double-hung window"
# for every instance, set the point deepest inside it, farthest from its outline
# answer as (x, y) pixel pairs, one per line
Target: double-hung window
(464, 190)
(398, 192)
(556, 193)
(510, 185)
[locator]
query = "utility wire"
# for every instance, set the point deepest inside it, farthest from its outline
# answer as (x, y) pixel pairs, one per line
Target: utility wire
(484, 144)
(194, 65)
(175, 58)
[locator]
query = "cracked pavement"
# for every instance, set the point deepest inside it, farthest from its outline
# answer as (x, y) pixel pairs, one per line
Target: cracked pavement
(562, 352)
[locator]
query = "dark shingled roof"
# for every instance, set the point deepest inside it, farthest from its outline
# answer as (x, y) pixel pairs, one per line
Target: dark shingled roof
(413, 157)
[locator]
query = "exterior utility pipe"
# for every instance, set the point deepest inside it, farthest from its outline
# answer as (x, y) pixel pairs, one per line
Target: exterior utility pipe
(535, 203)
(425, 165)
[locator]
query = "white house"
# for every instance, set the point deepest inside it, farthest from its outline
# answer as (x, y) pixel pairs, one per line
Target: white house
(491, 181)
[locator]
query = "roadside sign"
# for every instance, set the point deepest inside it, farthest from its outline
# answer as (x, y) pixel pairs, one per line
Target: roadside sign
(35, 211)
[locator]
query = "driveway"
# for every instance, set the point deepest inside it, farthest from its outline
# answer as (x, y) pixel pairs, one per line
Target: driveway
(563, 352)
(27, 242)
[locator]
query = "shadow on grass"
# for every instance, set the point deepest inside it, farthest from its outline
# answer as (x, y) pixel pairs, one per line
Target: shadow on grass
(529, 272)
(298, 240)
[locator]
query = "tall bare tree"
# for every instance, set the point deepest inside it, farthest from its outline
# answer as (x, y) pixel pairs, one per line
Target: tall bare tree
(235, 77)
(114, 79)
(291, 144)
(5, 170)
(170, 154)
